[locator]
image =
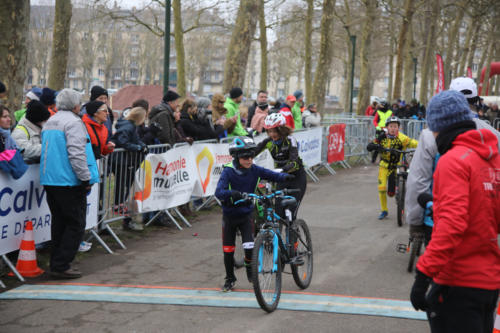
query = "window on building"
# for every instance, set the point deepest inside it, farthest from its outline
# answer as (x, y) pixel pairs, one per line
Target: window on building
(71, 72)
(117, 74)
(206, 76)
(101, 72)
(134, 73)
(474, 67)
(217, 76)
(42, 82)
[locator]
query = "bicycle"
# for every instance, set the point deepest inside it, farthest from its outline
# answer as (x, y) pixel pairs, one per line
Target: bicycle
(401, 177)
(271, 252)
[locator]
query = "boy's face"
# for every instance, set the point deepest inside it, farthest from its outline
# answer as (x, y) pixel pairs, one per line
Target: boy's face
(246, 162)
(393, 129)
(273, 134)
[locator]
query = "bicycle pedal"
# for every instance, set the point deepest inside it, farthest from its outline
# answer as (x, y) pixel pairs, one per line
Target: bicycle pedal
(402, 248)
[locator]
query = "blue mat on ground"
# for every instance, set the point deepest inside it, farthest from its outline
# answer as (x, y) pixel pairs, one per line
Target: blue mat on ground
(207, 297)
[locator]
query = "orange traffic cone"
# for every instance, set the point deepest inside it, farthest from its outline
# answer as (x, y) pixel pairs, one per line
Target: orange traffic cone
(26, 262)
(496, 327)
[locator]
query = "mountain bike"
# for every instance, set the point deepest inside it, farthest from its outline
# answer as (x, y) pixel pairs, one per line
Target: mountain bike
(272, 251)
(402, 170)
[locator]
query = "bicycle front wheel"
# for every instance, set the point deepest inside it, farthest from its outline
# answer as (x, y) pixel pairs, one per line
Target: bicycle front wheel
(239, 254)
(302, 270)
(266, 270)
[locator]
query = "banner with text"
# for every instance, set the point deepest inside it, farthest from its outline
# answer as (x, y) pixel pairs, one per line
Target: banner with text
(440, 73)
(336, 140)
(310, 145)
(23, 200)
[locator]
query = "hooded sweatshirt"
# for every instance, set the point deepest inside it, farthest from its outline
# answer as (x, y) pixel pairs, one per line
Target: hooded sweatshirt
(464, 249)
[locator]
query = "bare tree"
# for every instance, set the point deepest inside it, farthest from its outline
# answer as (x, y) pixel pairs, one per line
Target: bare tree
(325, 51)
(239, 46)
(428, 61)
(308, 49)
(263, 46)
(179, 48)
(60, 44)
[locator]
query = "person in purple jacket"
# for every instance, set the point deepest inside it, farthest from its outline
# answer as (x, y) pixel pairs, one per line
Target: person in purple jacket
(240, 177)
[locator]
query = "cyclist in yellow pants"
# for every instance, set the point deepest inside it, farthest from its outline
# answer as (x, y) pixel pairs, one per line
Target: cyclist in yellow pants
(391, 138)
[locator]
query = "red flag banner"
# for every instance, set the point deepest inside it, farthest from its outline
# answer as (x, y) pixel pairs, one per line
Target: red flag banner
(469, 72)
(440, 73)
(336, 140)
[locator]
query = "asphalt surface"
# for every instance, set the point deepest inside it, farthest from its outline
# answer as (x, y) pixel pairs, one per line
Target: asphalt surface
(354, 254)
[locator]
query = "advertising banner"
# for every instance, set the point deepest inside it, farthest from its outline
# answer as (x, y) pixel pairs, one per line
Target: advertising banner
(336, 140)
(469, 72)
(209, 160)
(310, 145)
(440, 73)
(23, 200)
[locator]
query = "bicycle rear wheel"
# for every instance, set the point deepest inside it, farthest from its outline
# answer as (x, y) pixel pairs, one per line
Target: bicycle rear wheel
(266, 270)
(415, 248)
(401, 200)
(303, 250)
(239, 254)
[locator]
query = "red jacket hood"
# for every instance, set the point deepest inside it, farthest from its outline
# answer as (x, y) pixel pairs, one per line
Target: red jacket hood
(482, 141)
(86, 119)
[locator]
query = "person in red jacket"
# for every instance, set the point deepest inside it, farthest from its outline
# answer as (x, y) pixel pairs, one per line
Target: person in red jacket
(286, 110)
(370, 109)
(97, 114)
(463, 258)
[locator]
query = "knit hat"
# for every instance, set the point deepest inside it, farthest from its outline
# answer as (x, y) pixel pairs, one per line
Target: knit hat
(291, 98)
(97, 91)
(298, 94)
(170, 96)
(446, 109)
(37, 91)
(235, 93)
(48, 96)
(92, 107)
(36, 112)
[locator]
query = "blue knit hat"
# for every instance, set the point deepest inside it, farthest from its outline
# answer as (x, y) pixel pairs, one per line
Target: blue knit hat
(298, 94)
(446, 109)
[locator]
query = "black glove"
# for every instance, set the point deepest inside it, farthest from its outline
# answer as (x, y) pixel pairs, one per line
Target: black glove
(419, 290)
(372, 146)
(86, 186)
(236, 195)
(289, 177)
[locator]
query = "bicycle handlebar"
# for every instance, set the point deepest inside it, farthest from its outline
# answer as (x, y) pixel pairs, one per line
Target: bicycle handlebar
(281, 193)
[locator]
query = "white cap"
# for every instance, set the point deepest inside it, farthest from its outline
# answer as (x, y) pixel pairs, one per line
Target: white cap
(464, 83)
(31, 95)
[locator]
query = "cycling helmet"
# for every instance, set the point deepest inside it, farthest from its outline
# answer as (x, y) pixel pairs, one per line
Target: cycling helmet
(242, 146)
(465, 85)
(274, 120)
(392, 119)
(383, 103)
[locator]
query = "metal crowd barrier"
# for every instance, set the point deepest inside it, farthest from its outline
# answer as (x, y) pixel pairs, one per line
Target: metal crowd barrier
(496, 124)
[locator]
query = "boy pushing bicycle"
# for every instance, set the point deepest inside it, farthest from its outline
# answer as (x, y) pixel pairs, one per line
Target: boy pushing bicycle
(238, 178)
(391, 138)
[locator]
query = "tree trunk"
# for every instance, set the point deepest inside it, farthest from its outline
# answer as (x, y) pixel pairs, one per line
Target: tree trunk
(408, 66)
(486, 83)
(308, 50)
(239, 46)
(391, 69)
(431, 81)
(428, 61)
(179, 48)
(452, 38)
(60, 44)
(463, 57)
(325, 51)
(403, 31)
(472, 50)
(13, 49)
(200, 82)
(366, 39)
(263, 47)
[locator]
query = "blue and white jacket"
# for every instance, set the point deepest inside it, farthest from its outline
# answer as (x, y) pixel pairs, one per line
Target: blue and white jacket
(67, 158)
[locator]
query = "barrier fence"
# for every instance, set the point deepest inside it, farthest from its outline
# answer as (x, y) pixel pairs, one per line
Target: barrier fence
(134, 183)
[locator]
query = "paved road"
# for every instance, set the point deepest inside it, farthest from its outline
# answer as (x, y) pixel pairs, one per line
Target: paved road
(354, 255)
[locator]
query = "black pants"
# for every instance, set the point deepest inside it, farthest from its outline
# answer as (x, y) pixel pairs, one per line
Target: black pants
(124, 177)
(300, 182)
(461, 309)
(230, 225)
(68, 206)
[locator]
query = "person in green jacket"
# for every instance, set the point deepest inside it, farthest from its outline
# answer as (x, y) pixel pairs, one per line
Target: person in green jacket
(32, 95)
(232, 105)
(296, 109)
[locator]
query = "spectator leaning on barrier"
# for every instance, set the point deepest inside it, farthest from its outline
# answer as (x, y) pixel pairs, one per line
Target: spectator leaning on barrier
(296, 109)
(381, 115)
(261, 100)
(33, 94)
(311, 116)
(286, 111)
(219, 115)
(164, 115)
(259, 116)
(5, 126)
(232, 105)
(98, 93)
(11, 161)
(94, 119)
(370, 109)
(67, 171)
(27, 133)
(191, 125)
(462, 258)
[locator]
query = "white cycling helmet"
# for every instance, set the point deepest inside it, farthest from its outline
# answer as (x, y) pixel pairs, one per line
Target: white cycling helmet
(274, 120)
(464, 83)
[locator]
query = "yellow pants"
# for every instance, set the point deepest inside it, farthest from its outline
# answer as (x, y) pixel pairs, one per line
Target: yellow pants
(383, 177)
